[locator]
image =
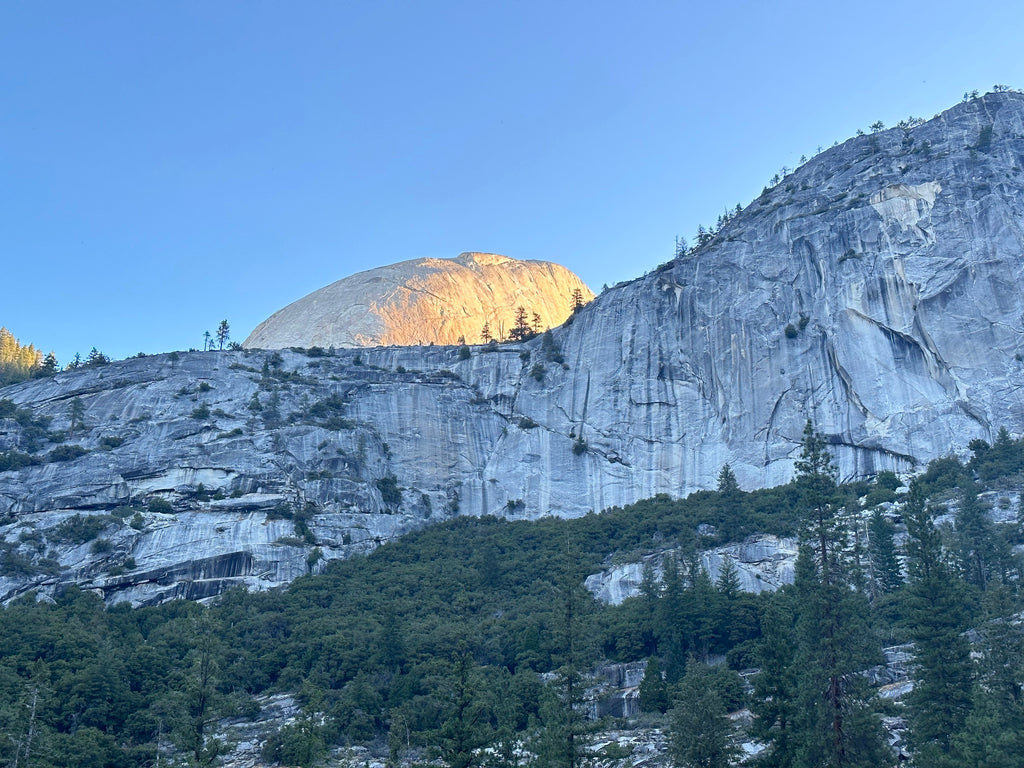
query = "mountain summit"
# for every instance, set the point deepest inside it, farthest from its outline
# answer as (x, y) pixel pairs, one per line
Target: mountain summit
(423, 301)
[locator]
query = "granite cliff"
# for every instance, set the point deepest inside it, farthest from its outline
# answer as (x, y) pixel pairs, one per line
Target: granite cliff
(875, 289)
(423, 301)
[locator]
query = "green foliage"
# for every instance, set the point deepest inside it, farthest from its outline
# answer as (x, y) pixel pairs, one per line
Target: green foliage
(302, 743)
(942, 474)
(33, 428)
(390, 492)
(934, 611)
(537, 371)
(223, 334)
(701, 733)
(984, 143)
(653, 689)
(160, 506)
(13, 460)
(816, 707)
(387, 645)
(66, 453)
(328, 413)
(885, 566)
(80, 529)
(17, 362)
(202, 412)
(464, 353)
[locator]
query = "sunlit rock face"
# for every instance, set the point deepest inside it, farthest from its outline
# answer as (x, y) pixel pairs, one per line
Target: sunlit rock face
(877, 290)
(424, 301)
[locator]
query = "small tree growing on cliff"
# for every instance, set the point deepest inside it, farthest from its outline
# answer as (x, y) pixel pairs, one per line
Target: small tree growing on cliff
(223, 334)
(521, 330)
(577, 302)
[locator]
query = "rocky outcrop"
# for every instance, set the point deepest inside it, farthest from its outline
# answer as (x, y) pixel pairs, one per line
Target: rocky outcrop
(424, 301)
(762, 563)
(876, 289)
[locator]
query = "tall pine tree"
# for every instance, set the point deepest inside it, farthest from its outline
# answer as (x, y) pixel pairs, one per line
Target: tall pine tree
(935, 618)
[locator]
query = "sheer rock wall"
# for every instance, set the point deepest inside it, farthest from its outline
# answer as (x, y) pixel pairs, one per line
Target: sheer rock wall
(877, 289)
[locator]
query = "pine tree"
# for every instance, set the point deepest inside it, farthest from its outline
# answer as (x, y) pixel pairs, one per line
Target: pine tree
(935, 617)
(775, 702)
(653, 689)
(49, 366)
(576, 302)
(701, 735)
(728, 583)
(561, 741)
(17, 361)
(199, 702)
(95, 357)
(727, 484)
(834, 723)
(76, 415)
(978, 547)
(885, 566)
(462, 733)
(520, 330)
(223, 334)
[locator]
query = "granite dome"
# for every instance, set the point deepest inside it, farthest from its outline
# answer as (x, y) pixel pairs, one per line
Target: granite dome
(423, 301)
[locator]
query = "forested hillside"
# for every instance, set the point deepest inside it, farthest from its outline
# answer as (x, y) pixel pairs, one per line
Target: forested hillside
(19, 362)
(477, 632)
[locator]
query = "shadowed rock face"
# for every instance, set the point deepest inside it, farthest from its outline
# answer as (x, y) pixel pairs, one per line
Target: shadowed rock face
(876, 289)
(423, 301)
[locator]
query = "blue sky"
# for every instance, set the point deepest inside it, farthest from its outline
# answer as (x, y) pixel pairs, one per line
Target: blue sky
(167, 165)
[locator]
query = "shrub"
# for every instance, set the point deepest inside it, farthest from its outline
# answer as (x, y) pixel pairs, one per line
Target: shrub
(390, 493)
(525, 422)
(111, 442)
(579, 447)
(537, 371)
(81, 528)
(160, 506)
(66, 453)
(464, 353)
(101, 546)
(202, 412)
(11, 460)
(790, 331)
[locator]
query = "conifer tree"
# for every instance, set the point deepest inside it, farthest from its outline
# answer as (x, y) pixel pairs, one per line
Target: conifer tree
(49, 366)
(885, 567)
(653, 690)
(775, 686)
(833, 723)
(935, 617)
(727, 484)
(223, 334)
(701, 735)
(520, 330)
(462, 733)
